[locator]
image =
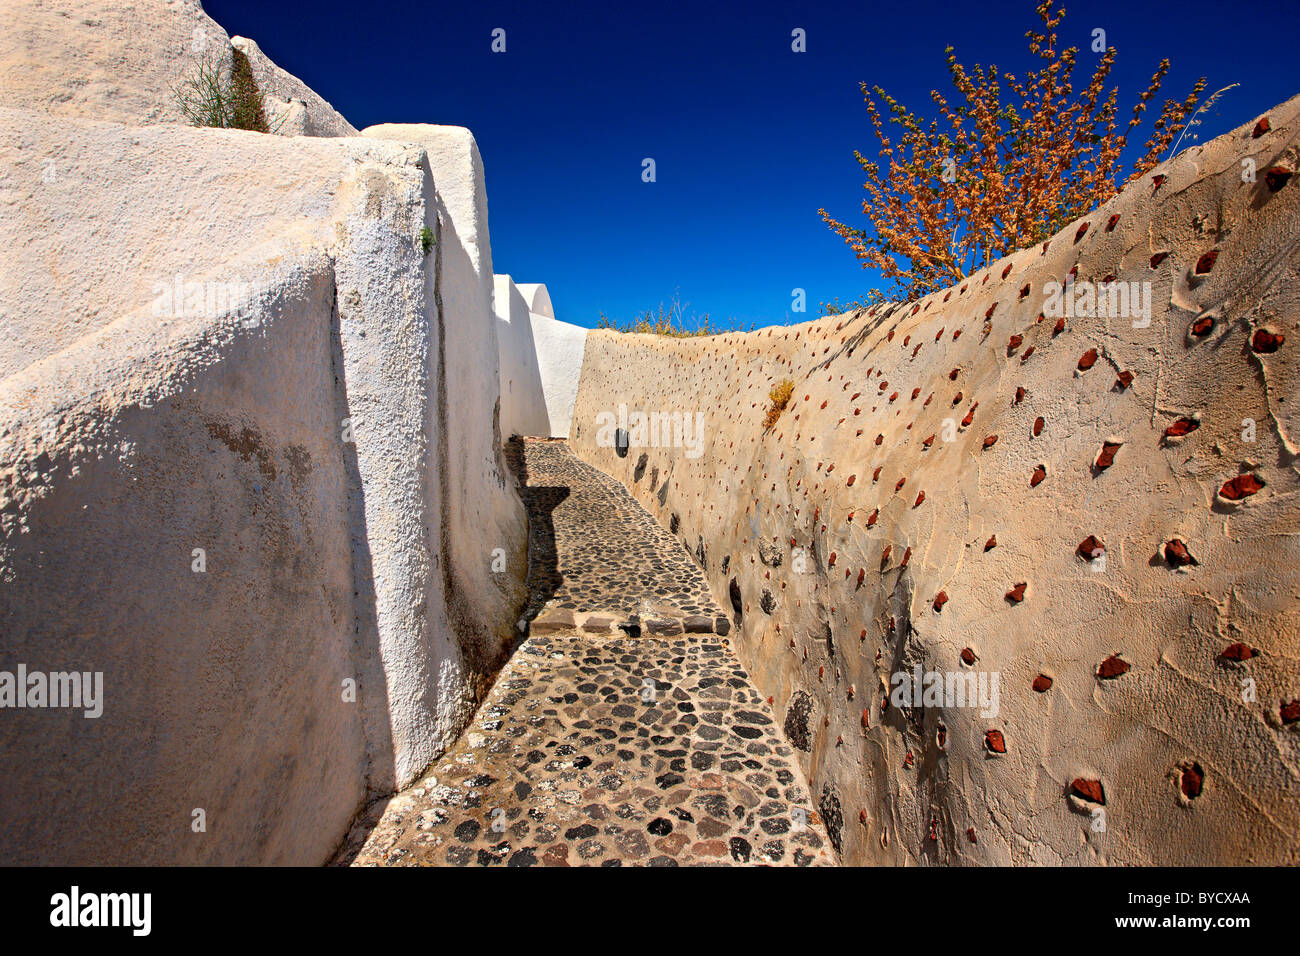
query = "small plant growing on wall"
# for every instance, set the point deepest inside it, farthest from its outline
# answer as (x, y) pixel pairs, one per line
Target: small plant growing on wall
(426, 240)
(222, 93)
(780, 398)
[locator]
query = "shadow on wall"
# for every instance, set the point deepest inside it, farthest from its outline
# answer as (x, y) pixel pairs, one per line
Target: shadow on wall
(381, 769)
(544, 577)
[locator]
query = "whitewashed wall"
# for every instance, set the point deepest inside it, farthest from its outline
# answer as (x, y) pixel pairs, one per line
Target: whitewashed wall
(541, 361)
(523, 402)
(560, 348)
(333, 451)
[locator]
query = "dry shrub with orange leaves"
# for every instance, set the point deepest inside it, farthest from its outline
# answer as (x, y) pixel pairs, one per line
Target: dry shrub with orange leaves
(987, 178)
(780, 398)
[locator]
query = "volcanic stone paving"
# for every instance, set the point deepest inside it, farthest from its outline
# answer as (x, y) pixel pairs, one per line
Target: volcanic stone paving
(606, 749)
(593, 550)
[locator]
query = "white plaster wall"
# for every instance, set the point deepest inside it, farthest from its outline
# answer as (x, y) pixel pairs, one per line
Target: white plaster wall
(115, 61)
(523, 404)
(538, 298)
(560, 348)
(222, 689)
(130, 440)
(482, 524)
(120, 244)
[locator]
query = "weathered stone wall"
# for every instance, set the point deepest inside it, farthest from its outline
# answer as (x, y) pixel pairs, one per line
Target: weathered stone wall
(971, 486)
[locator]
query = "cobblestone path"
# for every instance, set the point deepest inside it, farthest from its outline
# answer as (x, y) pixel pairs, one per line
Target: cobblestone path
(597, 559)
(607, 744)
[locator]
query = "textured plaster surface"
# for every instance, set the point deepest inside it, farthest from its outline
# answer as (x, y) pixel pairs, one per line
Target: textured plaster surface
(118, 61)
(483, 531)
(301, 440)
(926, 497)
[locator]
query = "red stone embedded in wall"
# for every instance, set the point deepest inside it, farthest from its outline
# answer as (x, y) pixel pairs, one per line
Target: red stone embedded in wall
(1090, 790)
(1182, 427)
(994, 742)
(1243, 486)
(1037, 477)
(1113, 667)
(967, 656)
(1191, 779)
(1107, 456)
(1177, 555)
(1087, 360)
(1017, 593)
(1238, 652)
(1262, 127)
(940, 600)
(1091, 548)
(1206, 262)
(1265, 342)
(1277, 177)
(1042, 684)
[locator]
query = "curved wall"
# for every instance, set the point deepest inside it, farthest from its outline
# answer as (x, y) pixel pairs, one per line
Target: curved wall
(987, 485)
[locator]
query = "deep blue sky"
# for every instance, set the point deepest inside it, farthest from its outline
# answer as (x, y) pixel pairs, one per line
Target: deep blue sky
(749, 138)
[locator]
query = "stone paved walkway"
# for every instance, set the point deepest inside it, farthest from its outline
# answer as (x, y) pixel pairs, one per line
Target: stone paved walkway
(598, 560)
(597, 747)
